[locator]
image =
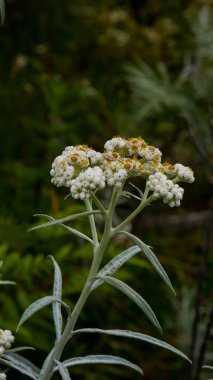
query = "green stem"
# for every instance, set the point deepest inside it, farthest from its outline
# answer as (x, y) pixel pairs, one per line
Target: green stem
(144, 202)
(99, 250)
(92, 223)
(98, 204)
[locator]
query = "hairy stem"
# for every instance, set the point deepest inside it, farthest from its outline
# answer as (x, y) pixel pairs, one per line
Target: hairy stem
(144, 202)
(92, 223)
(99, 250)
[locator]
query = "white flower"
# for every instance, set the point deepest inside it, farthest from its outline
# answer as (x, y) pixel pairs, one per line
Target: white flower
(3, 376)
(6, 338)
(90, 180)
(115, 143)
(150, 153)
(184, 173)
(164, 188)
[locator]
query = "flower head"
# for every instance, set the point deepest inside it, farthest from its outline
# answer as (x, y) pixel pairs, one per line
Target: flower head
(85, 170)
(6, 339)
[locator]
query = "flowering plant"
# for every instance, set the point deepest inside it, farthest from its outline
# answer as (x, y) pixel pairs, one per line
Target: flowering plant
(85, 172)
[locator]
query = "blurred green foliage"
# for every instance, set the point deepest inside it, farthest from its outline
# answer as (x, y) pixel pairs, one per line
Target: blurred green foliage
(81, 72)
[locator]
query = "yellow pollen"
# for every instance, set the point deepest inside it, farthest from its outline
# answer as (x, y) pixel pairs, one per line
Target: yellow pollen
(74, 158)
(152, 148)
(84, 161)
(115, 155)
(84, 147)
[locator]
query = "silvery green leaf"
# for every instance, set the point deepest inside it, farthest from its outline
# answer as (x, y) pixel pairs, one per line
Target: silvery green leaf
(138, 336)
(151, 257)
(17, 349)
(129, 195)
(45, 364)
(66, 219)
(34, 307)
(135, 297)
(72, 230)
(113, 265)
(137, 188)
(20, 364)
(207, 367)
(57, 293)
(63, 371)
(101, 359)
(2, 11)
(7, 283)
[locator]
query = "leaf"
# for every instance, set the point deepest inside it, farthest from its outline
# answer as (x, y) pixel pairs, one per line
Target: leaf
(207, 367)
(34, 307)
(2, 11)
(63, 371)
(57, 293)
(17, 349)
(113, 265)
(137, 188)
(66, 219)
(138, 336)
(129, 195)
(72, 230)
(101, 359)
(135, 297)
(20, 364)
(151, 257)
(46, 363)
(7, 283)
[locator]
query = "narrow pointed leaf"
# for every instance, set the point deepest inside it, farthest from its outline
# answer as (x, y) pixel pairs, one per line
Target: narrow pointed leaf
(72, 230)
(138, 336)
(57, 293)
(17, 349)
(47, 361)
(20, 364)
(113, 265)
(207, 367)
(101, 359)
(7, 283)
(135, 297)
(151, 257)
(34, 307)
(63, 371)
(128, 194)
(137, 188)
(66, 219)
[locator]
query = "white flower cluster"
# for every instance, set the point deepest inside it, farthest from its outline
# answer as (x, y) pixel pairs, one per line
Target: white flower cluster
(133, 147)
(6, 339)
(115, 144)
(84, 170)
(89, 180)
(115, 175)
(184, 173)
(3, 376)
(70, 163)
(164, 188)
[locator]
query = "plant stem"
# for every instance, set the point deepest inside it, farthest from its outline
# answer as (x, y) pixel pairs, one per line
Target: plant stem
(99, 250)
(92, 223)
(144, 202)
(98, 204)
